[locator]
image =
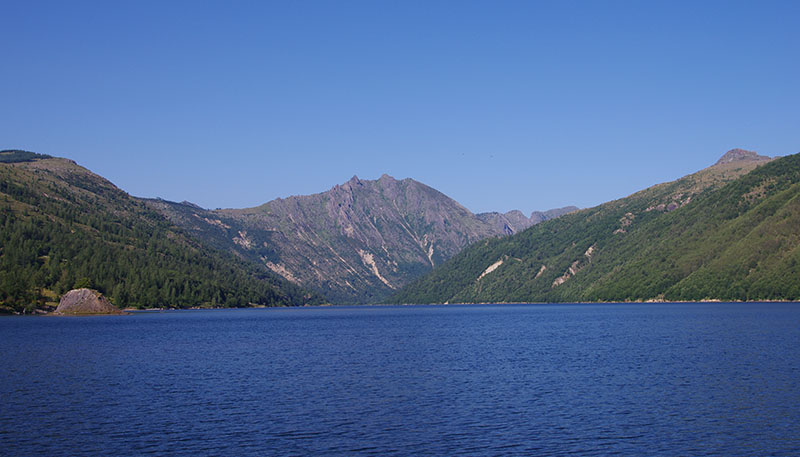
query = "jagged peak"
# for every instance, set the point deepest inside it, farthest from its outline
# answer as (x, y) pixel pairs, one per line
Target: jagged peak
(741, 155)
(356, 181)
(515, 213)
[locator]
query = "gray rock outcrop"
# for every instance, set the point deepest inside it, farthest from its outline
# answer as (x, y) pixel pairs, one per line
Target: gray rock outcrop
(85, 301)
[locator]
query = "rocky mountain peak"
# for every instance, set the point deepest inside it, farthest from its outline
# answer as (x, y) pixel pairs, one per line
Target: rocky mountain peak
(357, 242)
(741, 155)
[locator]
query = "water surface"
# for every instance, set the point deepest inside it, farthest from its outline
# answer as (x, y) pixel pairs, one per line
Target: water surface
(656, 379)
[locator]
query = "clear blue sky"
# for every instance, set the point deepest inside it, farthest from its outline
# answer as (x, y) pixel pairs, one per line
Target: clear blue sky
(501, 105)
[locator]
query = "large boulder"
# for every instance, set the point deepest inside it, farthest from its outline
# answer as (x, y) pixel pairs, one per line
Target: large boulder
(85, 301)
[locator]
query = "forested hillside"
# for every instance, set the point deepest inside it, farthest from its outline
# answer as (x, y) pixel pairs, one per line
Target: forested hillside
(716, 234)
(63, 226)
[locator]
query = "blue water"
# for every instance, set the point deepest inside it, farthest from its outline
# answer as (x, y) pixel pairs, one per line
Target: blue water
(671, 379)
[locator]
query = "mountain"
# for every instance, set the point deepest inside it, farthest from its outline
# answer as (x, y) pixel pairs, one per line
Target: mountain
(741, 155)
(64, 226)
(358, 242)
(728, 232)
(514, 221)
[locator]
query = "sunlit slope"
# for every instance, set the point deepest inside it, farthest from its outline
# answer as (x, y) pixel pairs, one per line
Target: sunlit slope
(710, 235)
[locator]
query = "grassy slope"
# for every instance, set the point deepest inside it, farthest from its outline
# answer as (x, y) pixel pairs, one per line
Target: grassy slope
(731, 241)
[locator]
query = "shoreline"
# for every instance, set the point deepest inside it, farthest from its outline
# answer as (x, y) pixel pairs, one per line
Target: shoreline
(130, 310)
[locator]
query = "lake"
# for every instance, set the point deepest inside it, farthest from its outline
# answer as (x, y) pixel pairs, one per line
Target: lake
(624, 379)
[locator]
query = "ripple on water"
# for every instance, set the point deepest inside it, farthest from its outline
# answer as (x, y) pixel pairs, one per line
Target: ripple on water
(694, 379)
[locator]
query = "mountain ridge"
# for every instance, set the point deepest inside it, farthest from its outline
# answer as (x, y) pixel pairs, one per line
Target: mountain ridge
(356, 242)
(361, 241)
(714, 234)
(63, 225)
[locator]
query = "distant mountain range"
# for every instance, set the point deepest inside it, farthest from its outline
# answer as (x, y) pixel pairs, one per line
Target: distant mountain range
(728, 232)
(358, 242)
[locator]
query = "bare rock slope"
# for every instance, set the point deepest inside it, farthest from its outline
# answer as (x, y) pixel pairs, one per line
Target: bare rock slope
(358, 242)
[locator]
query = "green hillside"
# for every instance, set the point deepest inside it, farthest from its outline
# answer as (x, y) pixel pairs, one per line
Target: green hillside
(63, 226)
(716, 234)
